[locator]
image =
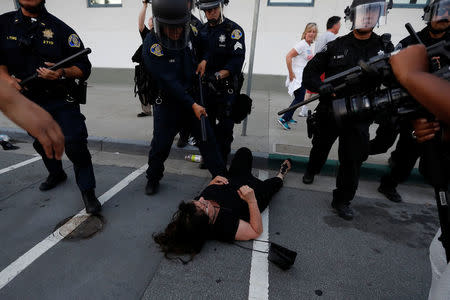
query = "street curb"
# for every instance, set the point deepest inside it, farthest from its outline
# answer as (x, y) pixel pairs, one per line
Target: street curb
(261, 160)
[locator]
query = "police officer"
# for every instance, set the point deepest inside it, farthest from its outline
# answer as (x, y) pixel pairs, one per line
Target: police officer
(407, 151)
(168, 56)
(31, 40)
(341, 54)
(223, 54)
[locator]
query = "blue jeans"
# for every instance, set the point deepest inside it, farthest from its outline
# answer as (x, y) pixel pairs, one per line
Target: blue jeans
(299, 96)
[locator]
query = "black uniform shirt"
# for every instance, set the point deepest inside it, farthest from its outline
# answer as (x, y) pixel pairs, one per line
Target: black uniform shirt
(223, 47)
(172, 69)
(26, 43)
(425, 37)
(339, 55)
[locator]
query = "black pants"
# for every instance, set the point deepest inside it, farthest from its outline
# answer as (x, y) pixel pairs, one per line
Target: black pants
(353, 151)
(71, 121)
(219, 116)
(240, 173)
(168, 119)
(403, 158)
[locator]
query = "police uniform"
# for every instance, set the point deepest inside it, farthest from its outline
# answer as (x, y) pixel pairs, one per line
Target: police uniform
(339, 55)
(223, 47)
(407, 150)
(174, 72)
(25, 44)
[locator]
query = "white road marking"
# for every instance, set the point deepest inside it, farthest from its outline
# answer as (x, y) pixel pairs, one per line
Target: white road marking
(16, 166)
(20, 264)
(259, 271)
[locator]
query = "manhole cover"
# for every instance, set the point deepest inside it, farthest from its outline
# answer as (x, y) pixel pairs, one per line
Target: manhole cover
(86, 226)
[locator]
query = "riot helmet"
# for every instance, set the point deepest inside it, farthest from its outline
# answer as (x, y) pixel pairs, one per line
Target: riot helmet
(366, 14)
(437, 10)
(171, 20)
(212, 9)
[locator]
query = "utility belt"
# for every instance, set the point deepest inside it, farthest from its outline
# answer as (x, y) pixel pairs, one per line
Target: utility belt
(227, 86)
(72, 91)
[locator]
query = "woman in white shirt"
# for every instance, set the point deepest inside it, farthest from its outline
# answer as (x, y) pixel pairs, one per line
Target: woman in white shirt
(296, 61)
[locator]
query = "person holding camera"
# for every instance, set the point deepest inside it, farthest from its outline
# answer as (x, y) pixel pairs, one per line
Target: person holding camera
(32, 41)
(339, 55)
(223, 55)
(407, 151)
(168, 56)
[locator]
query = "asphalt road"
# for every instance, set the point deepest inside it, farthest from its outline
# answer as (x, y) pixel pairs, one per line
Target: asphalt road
(382, 254)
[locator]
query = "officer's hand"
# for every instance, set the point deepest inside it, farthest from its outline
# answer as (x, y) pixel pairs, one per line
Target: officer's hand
(410, 60)
(49, 74)
(14, 83)
(291, 76)
(199, 110)
(224, 74)
(201, 68)
(424, 130)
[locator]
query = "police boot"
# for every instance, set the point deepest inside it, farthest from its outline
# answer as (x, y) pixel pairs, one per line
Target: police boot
(343, 209)
(93, 206)
(308, 178)
(53, 180)
(152, 187)
(390, 192)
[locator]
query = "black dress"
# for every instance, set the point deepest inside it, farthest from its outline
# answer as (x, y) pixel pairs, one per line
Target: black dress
(232, 207)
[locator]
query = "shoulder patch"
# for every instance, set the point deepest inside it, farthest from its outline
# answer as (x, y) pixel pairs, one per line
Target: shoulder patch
(74, 41)
(194, 30)
(236, 34)
(156, 50)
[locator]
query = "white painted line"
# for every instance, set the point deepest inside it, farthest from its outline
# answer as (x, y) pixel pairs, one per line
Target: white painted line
(20, 264)
(259, 271)
(16, 166)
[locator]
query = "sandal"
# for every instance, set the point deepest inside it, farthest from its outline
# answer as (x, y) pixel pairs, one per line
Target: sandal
(285, 167)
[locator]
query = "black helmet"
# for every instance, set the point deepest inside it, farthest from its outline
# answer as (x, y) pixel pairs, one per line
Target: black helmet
(171, 20)
(208, 4)
(360, 11)
(435, 10)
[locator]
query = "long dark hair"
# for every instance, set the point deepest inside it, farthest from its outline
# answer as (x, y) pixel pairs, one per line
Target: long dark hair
(186, 233)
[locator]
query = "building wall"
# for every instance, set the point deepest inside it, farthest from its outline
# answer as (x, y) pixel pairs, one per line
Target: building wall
(112, 33)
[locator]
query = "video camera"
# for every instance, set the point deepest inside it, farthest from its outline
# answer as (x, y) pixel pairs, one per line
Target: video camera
(385, 97)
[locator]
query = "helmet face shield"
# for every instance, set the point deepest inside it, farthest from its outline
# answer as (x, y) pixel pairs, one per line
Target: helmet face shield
(172, 36)
(212, 11)
(438, 11)
(369, 15)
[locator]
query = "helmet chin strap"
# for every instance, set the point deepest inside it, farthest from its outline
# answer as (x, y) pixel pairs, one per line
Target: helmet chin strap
(34, 9)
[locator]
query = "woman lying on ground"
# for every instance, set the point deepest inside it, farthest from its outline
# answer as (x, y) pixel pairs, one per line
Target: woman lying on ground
(227, 209)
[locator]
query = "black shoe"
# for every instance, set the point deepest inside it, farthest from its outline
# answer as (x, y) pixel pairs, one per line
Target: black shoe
(182, 142)
(143, 114)
(308, 178)
(151, 188)
(344, 210)
(52, 181)
(8, 146)
(390, 193)
(93, 206)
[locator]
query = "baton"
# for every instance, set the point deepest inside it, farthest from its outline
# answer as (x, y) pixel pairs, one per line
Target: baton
(202, 117)
(56, 66)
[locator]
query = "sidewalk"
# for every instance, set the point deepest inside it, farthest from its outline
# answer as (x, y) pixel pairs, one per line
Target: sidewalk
(111, 120)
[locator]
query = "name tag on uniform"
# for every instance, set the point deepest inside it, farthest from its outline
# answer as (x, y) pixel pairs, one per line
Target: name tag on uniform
(172, 60)
(338, 56)
(11, 38)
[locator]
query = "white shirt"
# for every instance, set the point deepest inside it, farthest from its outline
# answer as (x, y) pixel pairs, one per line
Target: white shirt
(305, 53)
(324, 39)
